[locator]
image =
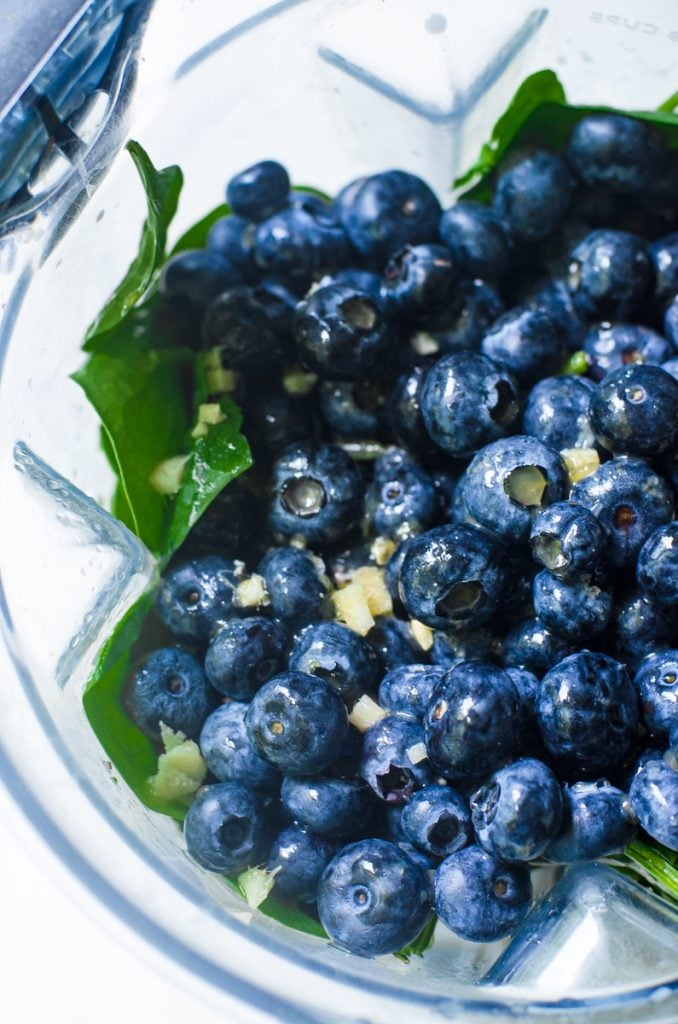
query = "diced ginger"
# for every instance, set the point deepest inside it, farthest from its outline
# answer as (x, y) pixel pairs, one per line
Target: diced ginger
(220, 381)
(256, 884)
(299, 382)
(422, 633)
(168, 475)
(373, 583)
(251, 592)
(181, 769)
(382, 549)
(200, 430)
(365, 713)
(211, 413)
(351, 606)
(213, 359)
(580, 462)
(417, 753)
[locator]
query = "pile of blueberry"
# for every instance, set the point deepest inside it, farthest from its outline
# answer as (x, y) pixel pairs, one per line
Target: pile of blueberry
(426, 641)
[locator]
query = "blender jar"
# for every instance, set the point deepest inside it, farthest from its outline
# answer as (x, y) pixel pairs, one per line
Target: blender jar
(334, 89)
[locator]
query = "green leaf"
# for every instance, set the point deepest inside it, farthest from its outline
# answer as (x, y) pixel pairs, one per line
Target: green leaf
(162, 195)
(196, 236)
(656, 864)
(422, 942)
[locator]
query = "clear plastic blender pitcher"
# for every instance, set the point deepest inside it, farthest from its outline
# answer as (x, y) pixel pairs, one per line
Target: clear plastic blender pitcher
(334, 89)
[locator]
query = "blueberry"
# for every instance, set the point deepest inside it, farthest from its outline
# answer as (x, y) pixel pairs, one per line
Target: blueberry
(664, 256)
(630, 500)
(373, 899)
(588, 712)
(654, 798)
(437, 820)
(232, 239)
(419, 282)
(610, 275)
(577, 608)
(527, 685)
(467, 400)
(229, 527)
(671, 366)
(228, 753)
(509, 480)
(480, 898)
(297, 723)
(567, 539)
(244, 654)
(449, 649)
(634, 411)
(671, 322)
(363, 280)
(328, 807)
(474, 720)
(393, 643)
(402, 499)
(597, 822)
(656, 681)
(611, 346)
(476, 237)
(192, 279)
(527, 341)
(555, 299)
(387, 764)
(557, 412)
(317, 493)
(259, 191)
(352, 409)
(225, 828)
(463, 327)
(454, 576)
(168, 687)
(531, 645)
(341, 333)
(641, 627)
(387, 211)
(299, 244)
(617, 153)
(532, 197)
(193, 597)
(518, 811)
(392, 571)
(406, 689)
(274, 421)
(294, 584)
(298, 859)
(657, 566)
(404, 411)
(336, 654)
(244, 324)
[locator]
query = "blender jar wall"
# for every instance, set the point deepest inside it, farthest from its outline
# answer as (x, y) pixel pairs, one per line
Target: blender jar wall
(334, 90)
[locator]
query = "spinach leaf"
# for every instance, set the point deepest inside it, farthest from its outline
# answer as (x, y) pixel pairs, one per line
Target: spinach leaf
(422, 942)
(196, 236)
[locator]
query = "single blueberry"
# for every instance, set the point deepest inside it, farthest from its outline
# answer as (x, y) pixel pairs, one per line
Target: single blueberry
(527, 685)
(274, 421)
(195, 596)
(468, 400)
(449, 649)
(245, 653)
(664, 256)
(363, 280)
(555, 299)
(341, 333)
(297, 723)
(406, 689)
(611, 346)
(337, 655)
(353, 409)
(476, 237)
(295, 586)
(532, 197)
(588, 712)
(671, 366)
(518, 811)
(557, 412)
(480, 898)
(245, 325)
(509, 481)
(402, 499)
(420, 282)
(169, 687)
(259, 191)
(474, 720)
(328, 807)
(577, 608)
(394, 762)
(225, 828)
(437, 820)
(392, 641)
(597, 822)
(300, 243)
(531, 645)
(298, 859)
(671, 322)
(464, 325)
(619, 154)
(228, 753)
(392, 571)
(610, 275)
(192, 279)
(640, 627)
(527, 341)
(630, 501)
(657, 566)
(387, 211)
(317, 493)
(656, 681)
(232, 239)
(634, 411)
(373, 899)
(454, 577)
(404, 411)
(654, 798)
(229, 527)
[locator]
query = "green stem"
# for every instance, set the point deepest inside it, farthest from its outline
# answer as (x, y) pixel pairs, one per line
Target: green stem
(655, 866)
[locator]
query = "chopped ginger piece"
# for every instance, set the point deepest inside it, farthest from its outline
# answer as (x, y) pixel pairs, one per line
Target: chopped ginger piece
(299, 382)
(422, 634)
(580, 462)
(167, 476)
(365, 713)
(211, 413)
(251, 592)
(373, 583)
(181, 769)
(256, 884)
(382, 549)
(220, 381)
(352, 607)
(417, 753)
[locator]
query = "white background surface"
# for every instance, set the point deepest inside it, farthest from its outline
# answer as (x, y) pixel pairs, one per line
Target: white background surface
(57, 963)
